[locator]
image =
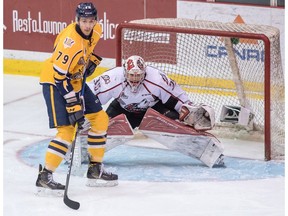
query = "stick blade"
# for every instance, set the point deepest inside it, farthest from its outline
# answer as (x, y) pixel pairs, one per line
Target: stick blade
(70, 203)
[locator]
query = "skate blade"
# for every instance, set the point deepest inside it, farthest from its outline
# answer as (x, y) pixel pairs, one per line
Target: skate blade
(46, 192)
(101, 183)
(222, 165)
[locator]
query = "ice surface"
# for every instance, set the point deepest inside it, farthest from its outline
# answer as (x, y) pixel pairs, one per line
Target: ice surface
(152, 180)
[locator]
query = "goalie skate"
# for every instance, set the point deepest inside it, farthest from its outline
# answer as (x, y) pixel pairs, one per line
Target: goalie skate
(98, 177)
(46, 186)
(219, 162)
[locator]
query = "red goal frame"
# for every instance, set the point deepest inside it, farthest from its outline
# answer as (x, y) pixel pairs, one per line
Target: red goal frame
(267, 74)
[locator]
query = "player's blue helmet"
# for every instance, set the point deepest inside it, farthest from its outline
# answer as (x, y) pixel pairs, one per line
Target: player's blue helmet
(86, 9)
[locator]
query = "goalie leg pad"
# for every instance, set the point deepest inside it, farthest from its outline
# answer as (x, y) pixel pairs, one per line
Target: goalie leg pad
(204, 148)
(182, 138)
(212, 153)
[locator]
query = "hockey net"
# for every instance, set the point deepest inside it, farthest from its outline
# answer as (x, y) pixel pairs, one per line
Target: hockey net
(220, 64)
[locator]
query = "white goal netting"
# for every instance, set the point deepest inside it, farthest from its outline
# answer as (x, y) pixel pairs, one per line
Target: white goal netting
(219, 64)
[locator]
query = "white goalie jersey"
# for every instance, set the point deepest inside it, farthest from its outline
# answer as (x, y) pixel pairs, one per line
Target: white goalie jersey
(155, 87)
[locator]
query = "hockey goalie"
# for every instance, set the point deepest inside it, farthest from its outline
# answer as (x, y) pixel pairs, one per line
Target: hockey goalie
(146, 98)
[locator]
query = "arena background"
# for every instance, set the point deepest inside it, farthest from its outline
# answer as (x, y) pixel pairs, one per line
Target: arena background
(30, 27)
(242, 188)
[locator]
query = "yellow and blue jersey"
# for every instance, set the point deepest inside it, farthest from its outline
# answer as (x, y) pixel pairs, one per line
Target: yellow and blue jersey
(72, 51)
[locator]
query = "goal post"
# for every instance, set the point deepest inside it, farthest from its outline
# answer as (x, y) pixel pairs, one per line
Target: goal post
(221, 64)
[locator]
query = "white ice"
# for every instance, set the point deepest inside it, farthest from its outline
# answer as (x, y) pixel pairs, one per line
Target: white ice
(26, 122)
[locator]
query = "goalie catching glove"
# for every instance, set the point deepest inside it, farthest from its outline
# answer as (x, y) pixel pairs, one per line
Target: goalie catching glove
(94, 61)
(201, 117)
(74, 109)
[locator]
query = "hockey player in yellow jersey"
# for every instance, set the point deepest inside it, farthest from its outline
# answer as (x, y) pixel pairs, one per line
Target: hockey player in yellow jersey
(62, 80)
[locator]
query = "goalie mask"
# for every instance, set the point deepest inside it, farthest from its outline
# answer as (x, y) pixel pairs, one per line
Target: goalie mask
(134, 71)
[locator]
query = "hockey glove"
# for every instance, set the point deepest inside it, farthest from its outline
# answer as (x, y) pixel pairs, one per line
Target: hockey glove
(74, 109)
(94, 61)
(201, 117)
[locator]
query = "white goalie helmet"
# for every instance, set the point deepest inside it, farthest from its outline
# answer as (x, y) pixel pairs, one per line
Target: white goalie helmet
(134, 71)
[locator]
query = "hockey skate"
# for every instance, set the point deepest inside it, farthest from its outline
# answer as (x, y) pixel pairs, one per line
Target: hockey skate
(45, 185)
(220, 162)
(98, 177)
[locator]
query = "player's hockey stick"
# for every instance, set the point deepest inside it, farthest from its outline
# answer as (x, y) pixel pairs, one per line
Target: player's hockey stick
(71, 203)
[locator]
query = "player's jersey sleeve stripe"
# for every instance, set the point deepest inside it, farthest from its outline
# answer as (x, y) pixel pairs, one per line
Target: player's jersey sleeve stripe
(59, 70)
